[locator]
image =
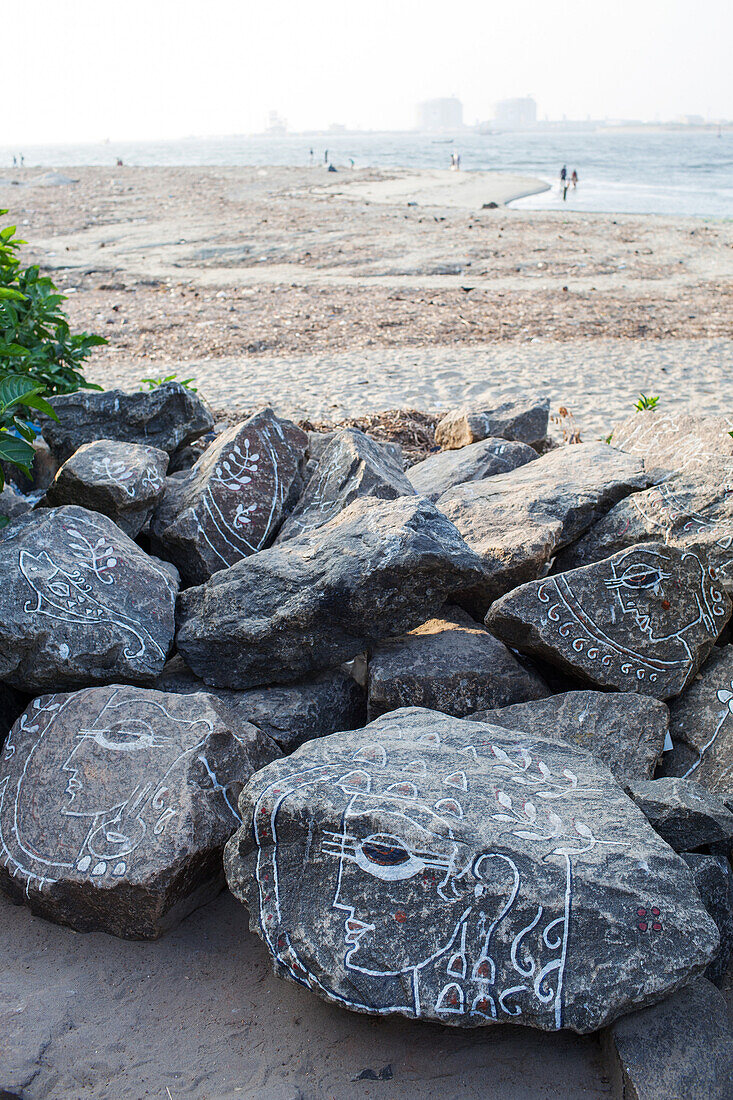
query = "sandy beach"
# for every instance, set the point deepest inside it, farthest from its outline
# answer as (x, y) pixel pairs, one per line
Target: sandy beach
(332, 294)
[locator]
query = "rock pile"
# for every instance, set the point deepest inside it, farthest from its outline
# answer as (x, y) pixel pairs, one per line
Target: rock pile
(559, 860)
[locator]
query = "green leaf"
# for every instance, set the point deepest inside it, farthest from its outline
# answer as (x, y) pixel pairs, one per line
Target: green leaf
(15, 387)
(15, 450)
(9, 294)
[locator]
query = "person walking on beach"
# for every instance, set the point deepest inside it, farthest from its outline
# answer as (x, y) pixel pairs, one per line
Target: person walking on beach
(574, 179)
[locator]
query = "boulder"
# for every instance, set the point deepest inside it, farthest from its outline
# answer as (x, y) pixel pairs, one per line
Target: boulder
(682, 812)
(681, 1049)
(518, 521)
(13, 503)
(318, 441)
(702, 727)
(121, 480)
(450, 664)
(678, 441)
(520, 419)
(377, 569)
(351, 466)
(459, 872)
(290, 714)
(714, 883)
(233, 501)
(693, 512)
(642, 620)
(439, 473)
(116, 802)
(166, 417)
(626, 731)
(80, 603)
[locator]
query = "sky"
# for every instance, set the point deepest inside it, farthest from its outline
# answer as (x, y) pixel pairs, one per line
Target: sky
(86, 70)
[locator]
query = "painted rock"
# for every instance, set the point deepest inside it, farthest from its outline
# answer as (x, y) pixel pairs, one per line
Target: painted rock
(450, 664)
(351, 466)
(642, 620)
(289, 713)
(437, 474)
(234, 500)
(121, 480)
(677, 441)
(81, 603)
(377, 569)
(518, 521)
(460, 872)
(523, 420)
(116, 802)
(701, 725)
(714, 883)
(624, 730)
(166, 417)
(690, 511)
(683, 813)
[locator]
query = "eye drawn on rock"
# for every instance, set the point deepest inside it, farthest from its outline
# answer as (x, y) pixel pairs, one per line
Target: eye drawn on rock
(410, 898)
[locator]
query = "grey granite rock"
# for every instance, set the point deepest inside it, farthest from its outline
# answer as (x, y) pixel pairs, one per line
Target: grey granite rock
(450, 664)
(701, 725)
(682, 812)
(677, 441)
(351, 466)
(439, 473)
(13, 503)
(318, 441)
(80, 603)
(377, 569)
(692, 511)
(460, 872)
(714, 883)
(233, 501)
(518, 521)
(121, 480)
(642, 620)
(116, 802)
(166, 417)
(626, 731)
(290, 714)
(520, 419)
(681, 1049)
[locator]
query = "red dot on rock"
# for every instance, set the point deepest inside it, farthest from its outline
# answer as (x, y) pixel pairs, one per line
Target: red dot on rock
(657, 926)
(400, 917)
(655, 911)
(643, 926)
(641, 912)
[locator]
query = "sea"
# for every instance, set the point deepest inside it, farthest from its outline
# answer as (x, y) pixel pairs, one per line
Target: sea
(647, 171)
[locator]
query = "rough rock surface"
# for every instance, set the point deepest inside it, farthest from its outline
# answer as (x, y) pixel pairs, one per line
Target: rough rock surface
(318, 441)
(116, 802)
(377, 569)
(681, 1049)
(677, 441)
(683, 813)
(234, 500)
(166, 417)
(121, 480)
(518, 521)
(624, 730)
(351, 466)
(438, 473)
(80, 603)
(693, 512)
(459, 872)
(714, 883)
(290, 714)
(450, 664)
(12, 503)
(701, 725)
(642, 620)
(523, 420)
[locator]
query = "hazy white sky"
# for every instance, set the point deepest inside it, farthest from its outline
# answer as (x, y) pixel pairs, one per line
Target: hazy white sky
(91, 69)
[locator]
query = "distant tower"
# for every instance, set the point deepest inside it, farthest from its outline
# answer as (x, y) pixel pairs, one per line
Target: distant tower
(440, 115)
(515, 113)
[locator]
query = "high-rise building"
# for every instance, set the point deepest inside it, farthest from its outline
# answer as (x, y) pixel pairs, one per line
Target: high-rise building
(440, 115)
(516, 112)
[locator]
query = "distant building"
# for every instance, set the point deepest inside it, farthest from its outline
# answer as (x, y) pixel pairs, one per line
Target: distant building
(276, 124)
(516, 112)
(440, 115)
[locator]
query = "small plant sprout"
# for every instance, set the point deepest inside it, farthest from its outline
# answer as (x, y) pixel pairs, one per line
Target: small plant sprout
(153, 383)
(645, 403)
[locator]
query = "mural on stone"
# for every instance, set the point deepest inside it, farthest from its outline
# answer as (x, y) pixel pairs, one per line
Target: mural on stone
(642, 639)
(129, 478)
(435, 875)
(679, 441)
(664, 508)
(109, 797)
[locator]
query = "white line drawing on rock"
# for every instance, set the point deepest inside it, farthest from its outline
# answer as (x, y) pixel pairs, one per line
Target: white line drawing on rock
(725, 696)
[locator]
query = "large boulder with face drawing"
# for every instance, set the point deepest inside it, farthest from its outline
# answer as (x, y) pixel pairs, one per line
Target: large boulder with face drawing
(459, 872)
(116, 802)
(233, 501)
(377, 569)
(169, 416)
(642, 620)
(81, 603)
